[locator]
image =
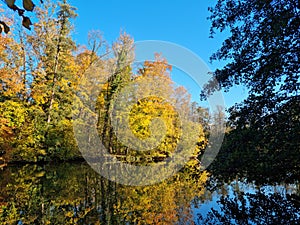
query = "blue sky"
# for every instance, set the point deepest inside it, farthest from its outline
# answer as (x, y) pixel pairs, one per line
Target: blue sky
(182, 22)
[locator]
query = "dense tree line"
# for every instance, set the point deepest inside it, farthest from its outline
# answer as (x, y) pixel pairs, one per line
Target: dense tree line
(261, 53)
(45, 78)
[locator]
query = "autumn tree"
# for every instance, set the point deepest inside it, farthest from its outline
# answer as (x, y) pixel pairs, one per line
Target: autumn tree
(140, 114)
(37, 74)
(55, 77)
(119, 71)
(155, 76)
(13, 82)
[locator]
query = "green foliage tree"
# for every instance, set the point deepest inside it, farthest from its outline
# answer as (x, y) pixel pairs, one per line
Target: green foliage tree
(119, 75)
(262, 49)
(54, 78)
(39, 75)
(262, 53)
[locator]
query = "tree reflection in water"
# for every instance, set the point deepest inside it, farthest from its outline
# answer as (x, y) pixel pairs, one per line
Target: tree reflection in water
(75, 194)
(248, 203)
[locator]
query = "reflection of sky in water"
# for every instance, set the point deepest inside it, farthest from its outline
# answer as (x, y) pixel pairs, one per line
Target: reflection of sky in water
(235, 188)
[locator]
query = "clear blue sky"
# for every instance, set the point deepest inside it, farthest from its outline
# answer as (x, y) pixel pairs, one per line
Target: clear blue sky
(182, 22)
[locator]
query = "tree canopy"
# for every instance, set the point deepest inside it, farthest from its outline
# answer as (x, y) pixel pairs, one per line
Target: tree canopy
(262, 52)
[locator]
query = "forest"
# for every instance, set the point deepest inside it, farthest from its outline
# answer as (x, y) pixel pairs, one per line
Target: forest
(44, 74)
(50, 85)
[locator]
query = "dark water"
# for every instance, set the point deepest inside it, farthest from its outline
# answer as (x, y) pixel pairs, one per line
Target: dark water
(72, 193)
(242, 202)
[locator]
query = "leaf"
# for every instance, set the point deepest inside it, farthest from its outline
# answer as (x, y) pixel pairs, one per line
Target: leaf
(28, 5)
(6, 28)
(40, 174)
(26, 22)
(10, 3)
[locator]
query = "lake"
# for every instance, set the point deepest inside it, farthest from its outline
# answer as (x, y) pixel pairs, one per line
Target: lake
(72, 193)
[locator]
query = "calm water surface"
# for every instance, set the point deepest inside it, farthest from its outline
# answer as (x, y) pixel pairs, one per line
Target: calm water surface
(72, 193)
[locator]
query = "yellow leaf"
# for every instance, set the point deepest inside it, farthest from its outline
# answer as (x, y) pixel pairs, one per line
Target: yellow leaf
(69, 214)
(40, 174)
